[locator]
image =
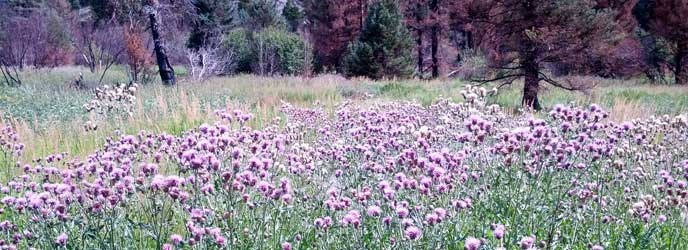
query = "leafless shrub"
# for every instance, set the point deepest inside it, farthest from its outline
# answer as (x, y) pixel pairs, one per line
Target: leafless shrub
(472, 66)
(97, 43)
(210, 60)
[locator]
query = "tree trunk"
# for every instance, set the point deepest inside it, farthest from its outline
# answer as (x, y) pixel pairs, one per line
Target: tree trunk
(434, 47)
(164, 66)
(529, 64)
(469, 39)
(531, 85)
(434, 40)
(419, 43)
(681, 57)
(362, 4)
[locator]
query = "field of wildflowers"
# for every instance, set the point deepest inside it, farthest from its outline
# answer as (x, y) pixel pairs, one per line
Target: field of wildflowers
(386, 175)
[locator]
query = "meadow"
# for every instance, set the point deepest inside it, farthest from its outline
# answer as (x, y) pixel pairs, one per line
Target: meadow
(50, 115)
(249, 162)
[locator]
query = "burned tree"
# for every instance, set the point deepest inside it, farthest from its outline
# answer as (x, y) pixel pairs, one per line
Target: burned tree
(164, 66)
(333, 25)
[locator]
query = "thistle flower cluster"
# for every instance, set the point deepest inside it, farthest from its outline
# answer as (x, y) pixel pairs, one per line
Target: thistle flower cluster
(9, 141)
(106, 100)
(382, 176)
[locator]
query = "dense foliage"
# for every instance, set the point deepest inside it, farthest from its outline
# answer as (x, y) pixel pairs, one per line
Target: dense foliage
(271, 51)
(669, 22)
(280, 52)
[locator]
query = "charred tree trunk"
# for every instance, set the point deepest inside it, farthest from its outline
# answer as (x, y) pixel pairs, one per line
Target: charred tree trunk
(680, 60)
(164, 66)
(434, 39)
(434, 47)
(531, 85)
(529, 64)
(469, 40)
(419, 44)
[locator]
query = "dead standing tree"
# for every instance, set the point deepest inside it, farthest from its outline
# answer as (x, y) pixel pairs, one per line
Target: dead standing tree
(164, 66)
(209, 60)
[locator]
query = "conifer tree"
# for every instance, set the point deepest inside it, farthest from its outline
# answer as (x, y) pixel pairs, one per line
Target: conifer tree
(525, 35)
(384, 47)
(208, 18)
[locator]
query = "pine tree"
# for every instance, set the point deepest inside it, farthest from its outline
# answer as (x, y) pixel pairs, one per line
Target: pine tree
(655, 51)
(260, 14)
(200, 31)
(293, 14)
(384, 48)
(208, 19)
(526, 35)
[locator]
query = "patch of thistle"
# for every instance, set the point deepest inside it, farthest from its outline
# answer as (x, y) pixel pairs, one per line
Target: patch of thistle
(111, 100)
(376, 176)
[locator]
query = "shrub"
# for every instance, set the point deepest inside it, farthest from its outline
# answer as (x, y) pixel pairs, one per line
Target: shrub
(280, 52)
(270, 51)
(238, 41)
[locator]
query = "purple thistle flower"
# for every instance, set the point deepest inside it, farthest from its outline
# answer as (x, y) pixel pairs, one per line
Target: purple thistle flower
(498, 231)
(472, 243)
(176, 239)
(220, 240)
(402, 212)
(352, 218)
(413, 233)
(61, 239)
(286, 246)
(374, 211)
(527, 242)
(596, 247)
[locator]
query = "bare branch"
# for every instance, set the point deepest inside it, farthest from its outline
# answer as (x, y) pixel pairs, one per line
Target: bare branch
(551, 81)
(498, 78)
